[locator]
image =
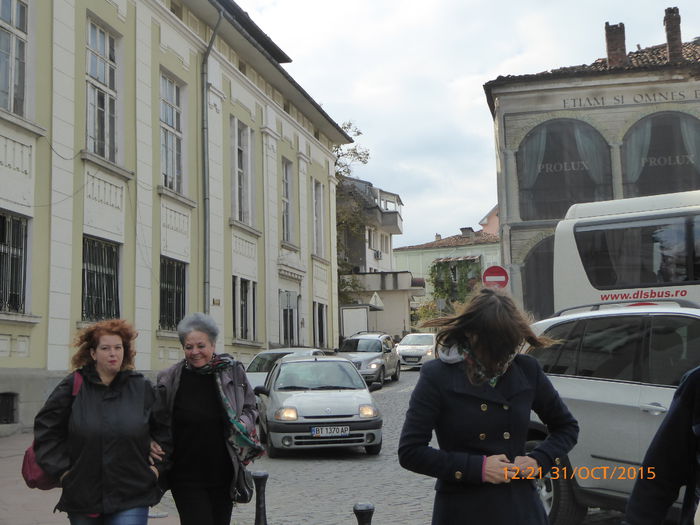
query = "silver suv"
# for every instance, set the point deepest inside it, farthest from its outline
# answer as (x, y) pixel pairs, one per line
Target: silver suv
(374, 354)
(617, 370)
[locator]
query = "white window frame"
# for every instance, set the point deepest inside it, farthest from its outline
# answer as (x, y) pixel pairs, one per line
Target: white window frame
(171, 120)
(14, 22)
(244, 309)
(320, 318)
(241, 172)
(371, 238)
(289, 314)
(287, 200)
(101, 77)
(318, 211)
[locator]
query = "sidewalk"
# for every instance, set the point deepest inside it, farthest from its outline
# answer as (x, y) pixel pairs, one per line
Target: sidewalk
(20, 505)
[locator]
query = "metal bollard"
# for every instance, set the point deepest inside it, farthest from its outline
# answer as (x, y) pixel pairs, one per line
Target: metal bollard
(260, 480)
(363, 513)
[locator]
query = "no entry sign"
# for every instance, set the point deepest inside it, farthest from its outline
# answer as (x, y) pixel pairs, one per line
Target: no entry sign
(495, 277)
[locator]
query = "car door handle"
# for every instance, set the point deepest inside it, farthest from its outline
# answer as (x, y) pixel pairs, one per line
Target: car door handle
(653, 408)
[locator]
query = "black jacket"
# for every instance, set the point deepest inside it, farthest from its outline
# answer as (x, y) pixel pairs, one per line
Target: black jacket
(102, 439)
(471, 422)
(673, 457)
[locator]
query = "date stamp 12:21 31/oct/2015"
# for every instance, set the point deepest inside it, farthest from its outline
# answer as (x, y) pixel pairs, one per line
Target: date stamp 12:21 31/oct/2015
(582, 472)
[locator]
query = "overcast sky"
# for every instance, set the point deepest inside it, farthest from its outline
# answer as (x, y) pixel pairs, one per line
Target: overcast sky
(410, 75)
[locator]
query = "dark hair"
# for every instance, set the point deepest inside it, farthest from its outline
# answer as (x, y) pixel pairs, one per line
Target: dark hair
(89, 337)
(492, 325)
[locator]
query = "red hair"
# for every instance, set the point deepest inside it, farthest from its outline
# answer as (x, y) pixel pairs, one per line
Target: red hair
(88, 338)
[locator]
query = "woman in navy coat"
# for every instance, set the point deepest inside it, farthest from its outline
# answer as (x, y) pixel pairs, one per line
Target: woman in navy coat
(477, 397)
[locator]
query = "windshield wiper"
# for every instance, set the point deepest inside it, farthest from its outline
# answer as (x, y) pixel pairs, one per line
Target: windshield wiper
(292, 387)
(333, 387)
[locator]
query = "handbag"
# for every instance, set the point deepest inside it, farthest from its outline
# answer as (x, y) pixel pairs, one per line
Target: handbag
(34, 476)
(243, 488)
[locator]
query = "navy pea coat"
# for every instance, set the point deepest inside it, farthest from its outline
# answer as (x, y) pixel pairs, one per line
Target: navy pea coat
(674, 458)
(473, 421)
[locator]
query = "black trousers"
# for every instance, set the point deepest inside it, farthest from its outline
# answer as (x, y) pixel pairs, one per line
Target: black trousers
(203, 505)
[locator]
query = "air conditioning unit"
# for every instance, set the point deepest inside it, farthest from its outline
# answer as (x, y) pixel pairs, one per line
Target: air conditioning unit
(377, 254)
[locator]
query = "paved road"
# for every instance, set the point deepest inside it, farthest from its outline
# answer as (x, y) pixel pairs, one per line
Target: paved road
(321, 487)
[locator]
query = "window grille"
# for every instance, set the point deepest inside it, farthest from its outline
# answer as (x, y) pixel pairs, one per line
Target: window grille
(172, 292)
(100, 279)
(13, 262)
(8, 408)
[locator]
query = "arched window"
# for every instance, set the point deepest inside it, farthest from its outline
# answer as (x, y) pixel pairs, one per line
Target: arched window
(562, 162)
(661, 154)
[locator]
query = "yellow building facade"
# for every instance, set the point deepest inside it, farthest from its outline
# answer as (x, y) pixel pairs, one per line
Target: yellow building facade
(155, 160)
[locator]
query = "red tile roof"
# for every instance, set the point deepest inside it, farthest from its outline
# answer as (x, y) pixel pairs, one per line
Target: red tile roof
(479, 237)
(650, 58)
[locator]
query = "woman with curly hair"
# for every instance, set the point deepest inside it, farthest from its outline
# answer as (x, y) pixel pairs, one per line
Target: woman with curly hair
(477, 397)
(97, 441)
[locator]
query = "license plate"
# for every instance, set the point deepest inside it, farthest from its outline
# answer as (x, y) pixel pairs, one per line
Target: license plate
(330, 431)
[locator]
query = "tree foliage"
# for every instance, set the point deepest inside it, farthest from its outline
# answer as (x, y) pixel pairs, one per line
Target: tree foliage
(454, 281)
(351, 219)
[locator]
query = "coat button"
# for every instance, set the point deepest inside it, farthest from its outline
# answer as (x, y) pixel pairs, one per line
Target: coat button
(482, 436)
(506, 435)
(505, 407)
(484, 407)
(458, 475)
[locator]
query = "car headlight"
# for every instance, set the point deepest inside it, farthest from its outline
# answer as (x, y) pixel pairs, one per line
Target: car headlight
(429, 352)
(368, 411)
(375, 364)
(286, 414)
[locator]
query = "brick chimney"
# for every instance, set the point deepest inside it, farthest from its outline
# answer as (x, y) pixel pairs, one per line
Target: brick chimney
(615, 44)
(468, 232)
(674, 44)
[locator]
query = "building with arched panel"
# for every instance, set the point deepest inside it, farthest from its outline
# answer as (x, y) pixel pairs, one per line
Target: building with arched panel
(624, 126)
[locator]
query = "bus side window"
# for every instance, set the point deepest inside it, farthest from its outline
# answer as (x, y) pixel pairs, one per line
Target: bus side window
(560, 358)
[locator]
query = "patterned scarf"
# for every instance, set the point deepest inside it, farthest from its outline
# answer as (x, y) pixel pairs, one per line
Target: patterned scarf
(476, 371)
(246, 444)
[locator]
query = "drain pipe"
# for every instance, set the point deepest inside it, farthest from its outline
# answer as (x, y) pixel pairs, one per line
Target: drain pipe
(205, 161)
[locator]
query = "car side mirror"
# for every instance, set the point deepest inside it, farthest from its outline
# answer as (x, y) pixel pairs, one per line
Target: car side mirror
(261, 390)
(375, 386)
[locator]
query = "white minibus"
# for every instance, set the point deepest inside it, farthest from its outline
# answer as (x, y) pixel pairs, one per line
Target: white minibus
(625, 250)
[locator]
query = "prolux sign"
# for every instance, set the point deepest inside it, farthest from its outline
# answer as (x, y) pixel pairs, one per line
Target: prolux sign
(668, 160)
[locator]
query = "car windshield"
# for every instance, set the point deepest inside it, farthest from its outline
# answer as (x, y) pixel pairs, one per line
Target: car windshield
(417, 339)
(264, 362)
(361, 345)
(319, 375)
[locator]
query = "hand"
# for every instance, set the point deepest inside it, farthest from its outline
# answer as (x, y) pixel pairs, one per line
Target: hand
(155, 471)
(526, 464)
(156, 453)
(499, 469)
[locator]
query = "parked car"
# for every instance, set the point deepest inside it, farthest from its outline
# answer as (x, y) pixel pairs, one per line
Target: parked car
(262, 363)
(415, 349)
(314, 401)
(374, 355)
(617, 370)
